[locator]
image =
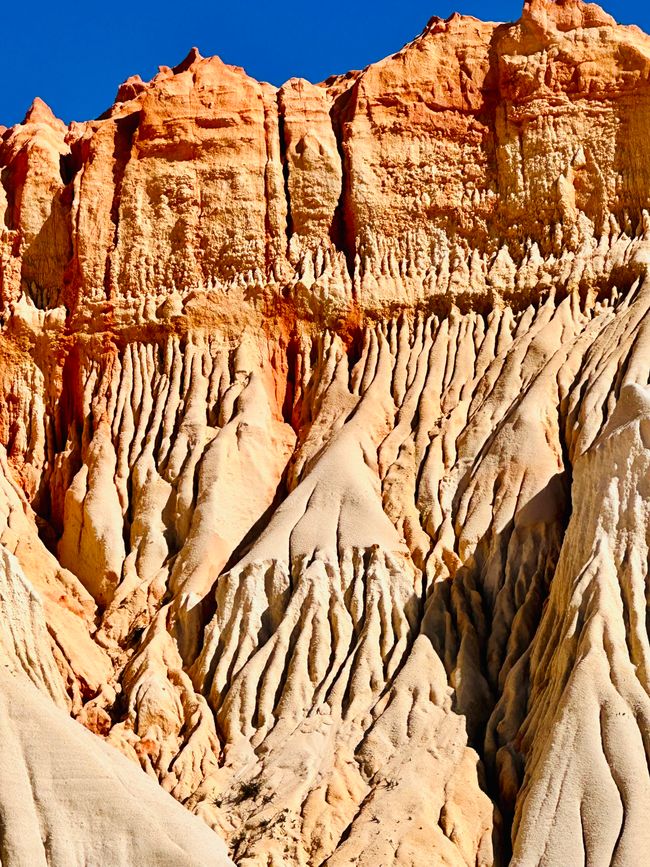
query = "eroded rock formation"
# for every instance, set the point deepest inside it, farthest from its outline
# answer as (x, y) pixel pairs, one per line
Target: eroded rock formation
(325, 430)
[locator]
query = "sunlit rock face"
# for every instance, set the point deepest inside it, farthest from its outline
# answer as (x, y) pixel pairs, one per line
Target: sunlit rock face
(325, 460)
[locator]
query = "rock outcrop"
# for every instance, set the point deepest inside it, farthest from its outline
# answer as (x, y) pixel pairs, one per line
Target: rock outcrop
(324, 458)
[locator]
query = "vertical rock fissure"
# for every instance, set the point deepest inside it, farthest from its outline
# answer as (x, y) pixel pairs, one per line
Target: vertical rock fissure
(342, 232)
(269, 190)
(285, 169)
(125, 129)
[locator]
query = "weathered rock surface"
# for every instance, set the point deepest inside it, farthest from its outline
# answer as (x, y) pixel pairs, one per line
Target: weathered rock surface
(66, 797)
(325, 431)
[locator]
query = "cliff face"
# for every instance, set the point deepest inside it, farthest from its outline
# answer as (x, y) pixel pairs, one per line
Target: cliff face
(325, 428)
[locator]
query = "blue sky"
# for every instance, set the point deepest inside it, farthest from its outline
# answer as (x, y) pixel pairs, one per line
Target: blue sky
(74, 56)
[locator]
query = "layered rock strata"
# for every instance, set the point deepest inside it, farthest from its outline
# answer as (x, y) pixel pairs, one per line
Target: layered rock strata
(324, 429)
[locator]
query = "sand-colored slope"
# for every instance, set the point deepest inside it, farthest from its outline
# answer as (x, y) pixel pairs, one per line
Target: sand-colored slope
(67, 798)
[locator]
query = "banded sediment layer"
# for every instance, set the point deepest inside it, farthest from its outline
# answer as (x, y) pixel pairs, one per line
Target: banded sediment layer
(325, 447)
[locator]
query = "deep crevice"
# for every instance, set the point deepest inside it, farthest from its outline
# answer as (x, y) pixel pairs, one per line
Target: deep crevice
(125, 129)
(343, 230)
(285, 171)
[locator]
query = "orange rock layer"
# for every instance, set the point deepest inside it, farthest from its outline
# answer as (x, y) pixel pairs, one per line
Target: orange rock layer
(438, 171)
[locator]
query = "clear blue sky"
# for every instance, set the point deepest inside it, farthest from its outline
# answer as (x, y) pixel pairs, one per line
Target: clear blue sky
(74, 55)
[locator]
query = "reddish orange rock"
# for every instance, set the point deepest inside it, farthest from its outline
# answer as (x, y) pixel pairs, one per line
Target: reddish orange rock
(474, 140)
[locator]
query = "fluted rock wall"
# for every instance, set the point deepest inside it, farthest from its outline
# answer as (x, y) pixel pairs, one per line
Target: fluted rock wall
(324, 442)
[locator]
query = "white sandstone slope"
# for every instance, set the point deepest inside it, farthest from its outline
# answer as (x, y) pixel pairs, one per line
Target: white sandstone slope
(588, 726)
(344, 666)
(67, 799)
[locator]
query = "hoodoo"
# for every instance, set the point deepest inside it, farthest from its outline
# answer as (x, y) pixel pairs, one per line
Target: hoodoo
(325, 461)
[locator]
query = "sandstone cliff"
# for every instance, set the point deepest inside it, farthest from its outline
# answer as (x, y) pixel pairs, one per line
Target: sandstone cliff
(324, 459)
